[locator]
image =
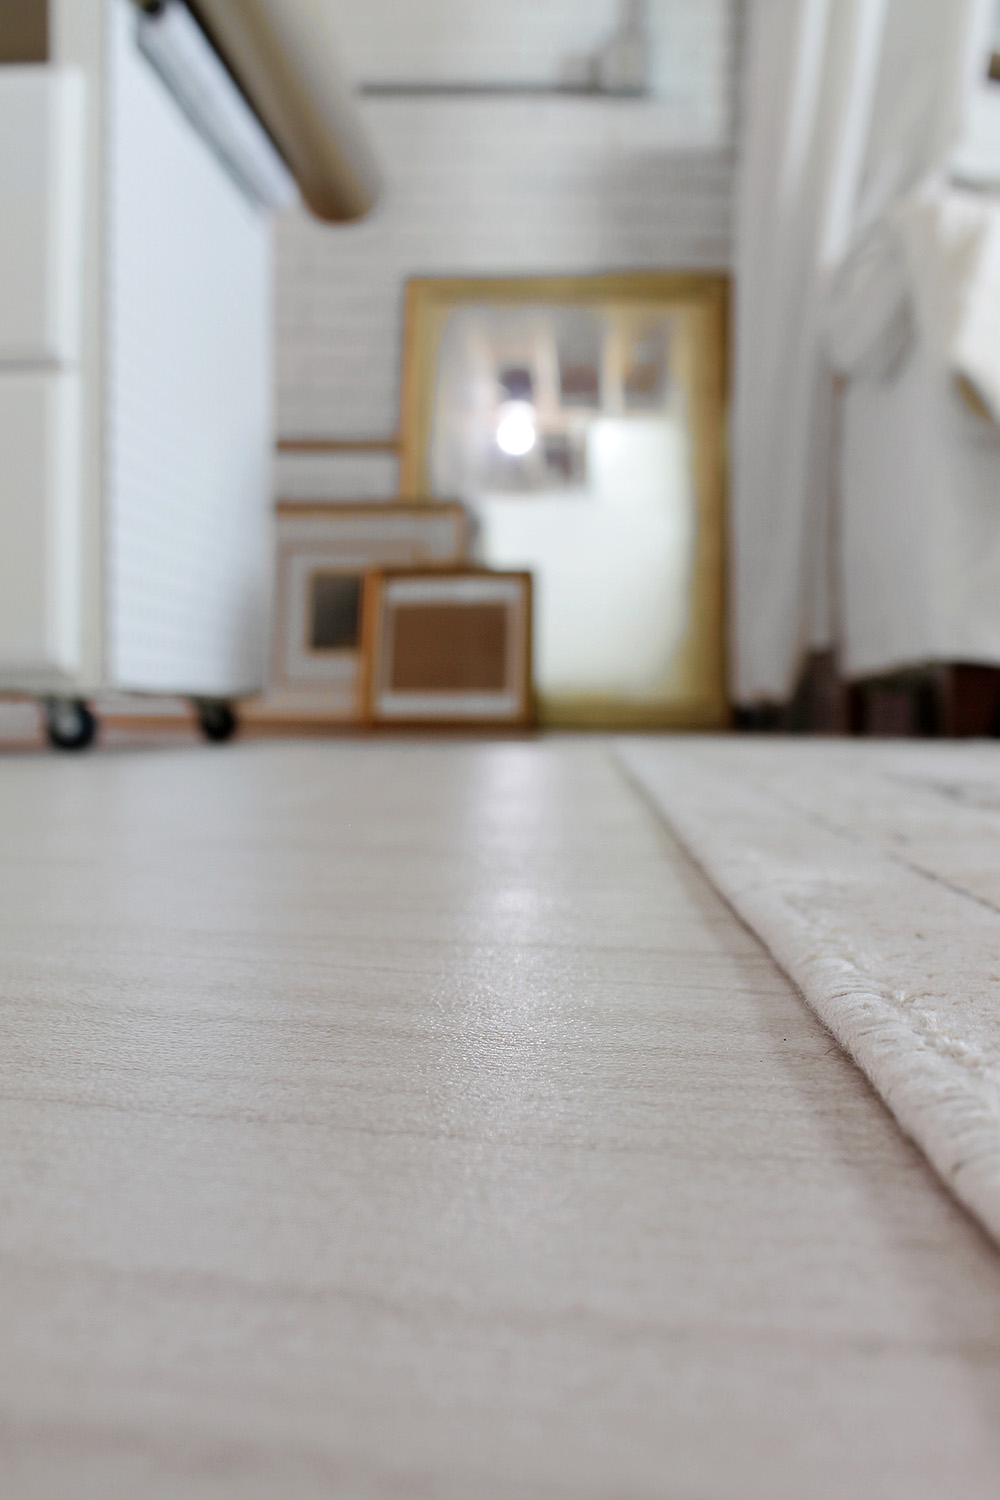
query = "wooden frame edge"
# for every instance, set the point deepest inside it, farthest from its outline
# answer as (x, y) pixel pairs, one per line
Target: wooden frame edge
(371, 617)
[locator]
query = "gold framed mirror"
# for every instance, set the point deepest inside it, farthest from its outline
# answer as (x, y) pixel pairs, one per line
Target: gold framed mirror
(582, 421)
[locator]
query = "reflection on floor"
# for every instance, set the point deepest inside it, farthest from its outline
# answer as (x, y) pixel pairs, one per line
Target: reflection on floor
(412, 1119)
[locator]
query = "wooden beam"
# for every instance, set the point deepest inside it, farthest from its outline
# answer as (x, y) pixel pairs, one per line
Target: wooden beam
(24, 31)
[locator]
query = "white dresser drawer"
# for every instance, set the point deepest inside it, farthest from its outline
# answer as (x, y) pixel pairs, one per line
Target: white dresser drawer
(40, 543)
(41, 213)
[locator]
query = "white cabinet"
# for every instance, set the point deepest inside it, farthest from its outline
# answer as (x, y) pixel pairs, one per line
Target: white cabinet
(135, 380)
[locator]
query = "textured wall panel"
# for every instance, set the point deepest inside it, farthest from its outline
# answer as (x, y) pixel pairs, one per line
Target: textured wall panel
(188, 399)
(336, 476)
(501, 186)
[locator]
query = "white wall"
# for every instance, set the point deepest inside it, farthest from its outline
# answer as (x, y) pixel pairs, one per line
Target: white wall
(495, 186)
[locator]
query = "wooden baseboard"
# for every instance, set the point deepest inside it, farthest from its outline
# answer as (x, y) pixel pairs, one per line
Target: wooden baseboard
(139, 727)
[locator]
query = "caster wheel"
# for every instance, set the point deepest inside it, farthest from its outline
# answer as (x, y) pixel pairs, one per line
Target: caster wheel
(217, 720)
(69, 724)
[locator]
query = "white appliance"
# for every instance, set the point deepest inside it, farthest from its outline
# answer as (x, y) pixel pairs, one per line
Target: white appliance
(136, 186)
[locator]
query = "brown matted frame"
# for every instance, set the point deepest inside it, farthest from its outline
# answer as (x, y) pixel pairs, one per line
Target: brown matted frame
(701, 699)
(517, 684)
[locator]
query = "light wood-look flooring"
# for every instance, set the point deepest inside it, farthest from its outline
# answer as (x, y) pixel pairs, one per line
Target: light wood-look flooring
(412, 1120)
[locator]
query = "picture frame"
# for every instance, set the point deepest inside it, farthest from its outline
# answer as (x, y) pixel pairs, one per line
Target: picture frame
(323, 551)
(448, 647)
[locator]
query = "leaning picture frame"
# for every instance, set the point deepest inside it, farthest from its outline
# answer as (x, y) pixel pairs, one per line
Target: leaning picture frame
(323, 550)
(448, 646)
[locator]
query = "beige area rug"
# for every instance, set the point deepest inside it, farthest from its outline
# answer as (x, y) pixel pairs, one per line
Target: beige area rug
(872, 873)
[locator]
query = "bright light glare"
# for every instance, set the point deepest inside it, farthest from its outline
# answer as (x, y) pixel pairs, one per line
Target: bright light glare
(516, 428)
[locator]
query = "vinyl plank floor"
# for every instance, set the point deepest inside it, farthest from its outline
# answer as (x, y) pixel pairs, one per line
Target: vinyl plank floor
(411, 1119)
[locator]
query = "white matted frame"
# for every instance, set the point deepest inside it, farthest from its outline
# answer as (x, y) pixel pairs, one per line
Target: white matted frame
(322, 683)
(448, 647)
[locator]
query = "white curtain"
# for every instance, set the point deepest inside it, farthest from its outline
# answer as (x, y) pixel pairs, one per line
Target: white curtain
(848, 104)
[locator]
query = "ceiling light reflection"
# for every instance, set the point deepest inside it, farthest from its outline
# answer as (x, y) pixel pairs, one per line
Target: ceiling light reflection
(516, 428)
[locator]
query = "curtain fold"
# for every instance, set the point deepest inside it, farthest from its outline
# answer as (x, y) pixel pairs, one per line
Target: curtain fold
(849, 104)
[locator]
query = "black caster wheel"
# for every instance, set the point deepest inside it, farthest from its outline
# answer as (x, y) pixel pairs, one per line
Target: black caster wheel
(69, 723)
(217, 720)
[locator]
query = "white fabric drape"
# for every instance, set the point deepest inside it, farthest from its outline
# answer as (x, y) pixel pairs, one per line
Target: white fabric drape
(974, 350)
(803, 66)
(849, 103)
(919, 502)
(914, 327)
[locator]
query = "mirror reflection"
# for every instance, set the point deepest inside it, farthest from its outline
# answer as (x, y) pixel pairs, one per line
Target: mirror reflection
(571, 427)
